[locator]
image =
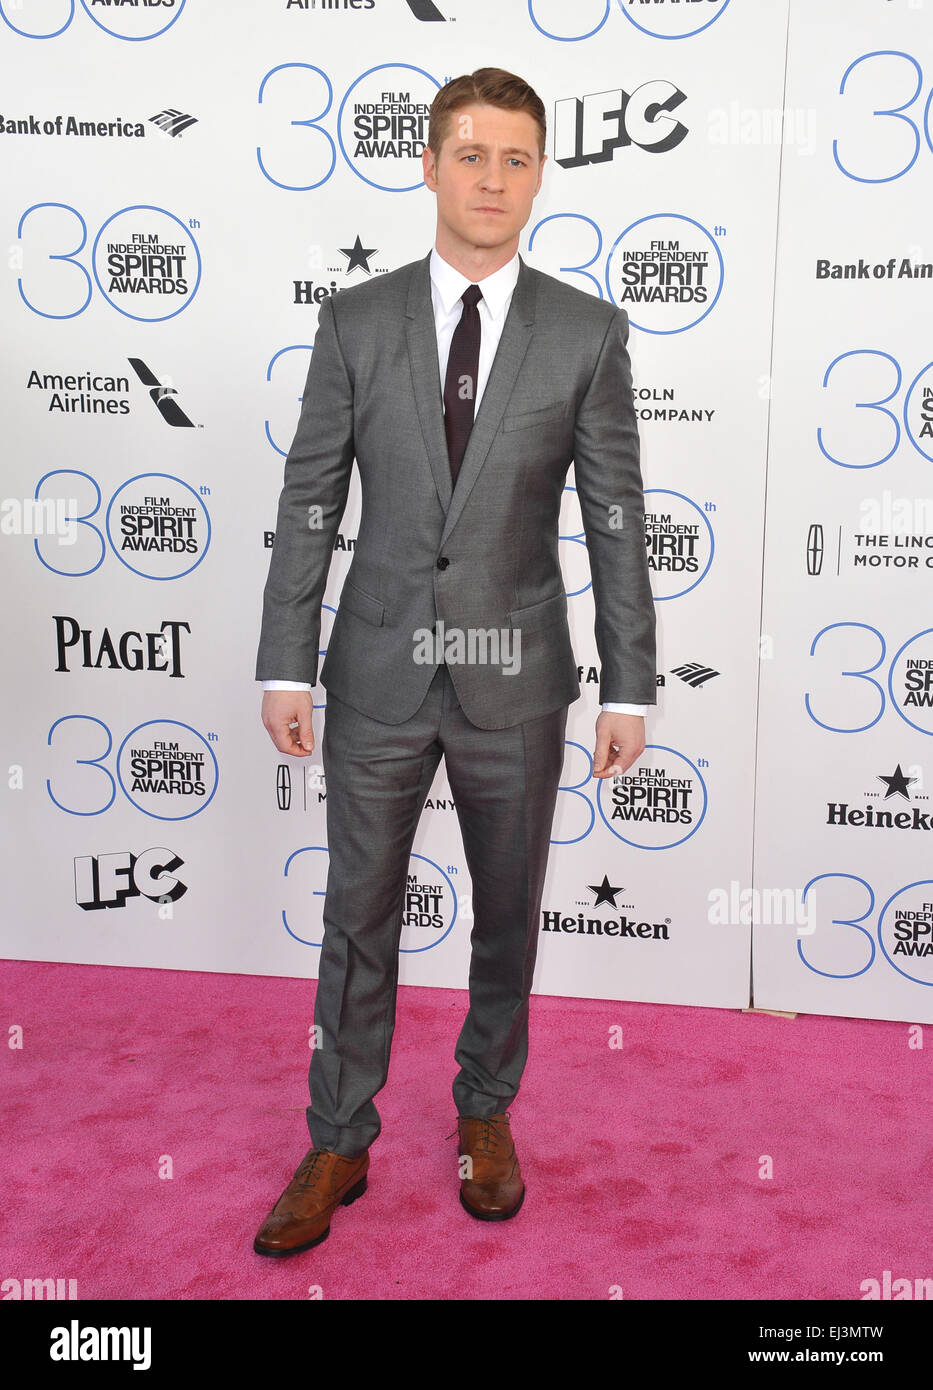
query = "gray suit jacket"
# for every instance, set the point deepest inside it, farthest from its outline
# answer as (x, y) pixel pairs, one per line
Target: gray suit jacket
(483, 555)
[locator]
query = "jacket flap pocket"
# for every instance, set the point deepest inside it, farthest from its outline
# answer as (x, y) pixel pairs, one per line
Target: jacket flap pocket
(362, 604)
(539, 615)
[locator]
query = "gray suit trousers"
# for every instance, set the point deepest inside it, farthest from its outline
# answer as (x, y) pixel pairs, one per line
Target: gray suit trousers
(504, 784)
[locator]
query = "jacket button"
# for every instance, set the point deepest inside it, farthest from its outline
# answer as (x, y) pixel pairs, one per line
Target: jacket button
(443, 562)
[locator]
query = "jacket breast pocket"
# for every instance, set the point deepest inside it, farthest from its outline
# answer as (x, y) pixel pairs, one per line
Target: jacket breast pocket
(356, 601)
(547, 415)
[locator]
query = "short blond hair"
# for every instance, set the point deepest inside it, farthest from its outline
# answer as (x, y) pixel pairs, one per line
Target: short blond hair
(484, 87)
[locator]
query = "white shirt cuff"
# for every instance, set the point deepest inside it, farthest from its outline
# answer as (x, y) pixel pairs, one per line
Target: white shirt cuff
(639, 710)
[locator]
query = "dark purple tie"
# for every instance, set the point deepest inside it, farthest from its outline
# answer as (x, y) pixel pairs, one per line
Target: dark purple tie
(462, 372)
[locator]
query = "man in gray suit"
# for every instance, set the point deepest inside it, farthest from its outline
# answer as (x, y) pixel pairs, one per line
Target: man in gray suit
(464, 385)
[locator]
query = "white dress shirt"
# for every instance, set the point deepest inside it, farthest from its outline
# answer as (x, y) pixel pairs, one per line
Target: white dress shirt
(447, 286)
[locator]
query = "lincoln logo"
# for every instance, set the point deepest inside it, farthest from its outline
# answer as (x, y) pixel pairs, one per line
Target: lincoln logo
(815, 549)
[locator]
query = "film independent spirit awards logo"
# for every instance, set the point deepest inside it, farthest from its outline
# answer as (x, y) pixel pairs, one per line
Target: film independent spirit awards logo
(666, 271)
(146, 263)
(679, 540)
(905, 932)
(430, 905)
(132, 20)
(382, 125)
(658, 803)
(157, 525)
(165, 768)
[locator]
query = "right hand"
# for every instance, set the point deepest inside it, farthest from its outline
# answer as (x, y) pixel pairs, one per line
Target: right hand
(286, 715)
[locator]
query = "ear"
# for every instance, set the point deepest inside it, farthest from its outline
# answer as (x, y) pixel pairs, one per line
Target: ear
(540, 174)
(429, 168)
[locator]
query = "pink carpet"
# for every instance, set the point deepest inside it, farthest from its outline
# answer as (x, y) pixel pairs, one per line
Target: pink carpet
(642, 1163)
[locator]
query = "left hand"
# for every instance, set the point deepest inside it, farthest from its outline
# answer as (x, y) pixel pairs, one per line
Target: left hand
(620, 739)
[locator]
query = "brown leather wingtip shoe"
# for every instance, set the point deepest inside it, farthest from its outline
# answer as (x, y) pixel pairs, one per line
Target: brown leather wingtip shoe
(301, 1217)
(491, 1188)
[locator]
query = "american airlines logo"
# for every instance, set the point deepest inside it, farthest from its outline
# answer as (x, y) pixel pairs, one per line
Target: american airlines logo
(173, 122)
(163, 397)
(424, 10)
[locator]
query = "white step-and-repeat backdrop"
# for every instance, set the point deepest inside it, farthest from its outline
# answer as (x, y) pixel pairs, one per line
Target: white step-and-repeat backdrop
(184, 183)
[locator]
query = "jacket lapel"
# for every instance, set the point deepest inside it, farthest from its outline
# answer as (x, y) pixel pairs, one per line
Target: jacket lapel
(422, 348)
(429, 394)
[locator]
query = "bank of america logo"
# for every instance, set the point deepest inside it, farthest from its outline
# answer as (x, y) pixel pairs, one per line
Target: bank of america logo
(173, 122)
(694, 674)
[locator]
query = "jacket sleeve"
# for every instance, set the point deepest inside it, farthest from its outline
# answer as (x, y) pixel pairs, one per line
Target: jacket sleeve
(311, 504)
(607, 471)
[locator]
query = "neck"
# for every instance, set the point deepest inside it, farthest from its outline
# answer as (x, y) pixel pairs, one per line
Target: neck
(475, 262)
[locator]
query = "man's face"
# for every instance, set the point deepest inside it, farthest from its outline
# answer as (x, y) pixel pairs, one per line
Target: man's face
(486, 176)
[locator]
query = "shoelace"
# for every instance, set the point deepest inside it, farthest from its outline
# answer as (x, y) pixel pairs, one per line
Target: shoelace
(308, 1174)
(485, 1135)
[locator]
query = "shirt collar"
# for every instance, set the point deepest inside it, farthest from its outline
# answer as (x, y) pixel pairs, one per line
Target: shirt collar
(497, 287)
